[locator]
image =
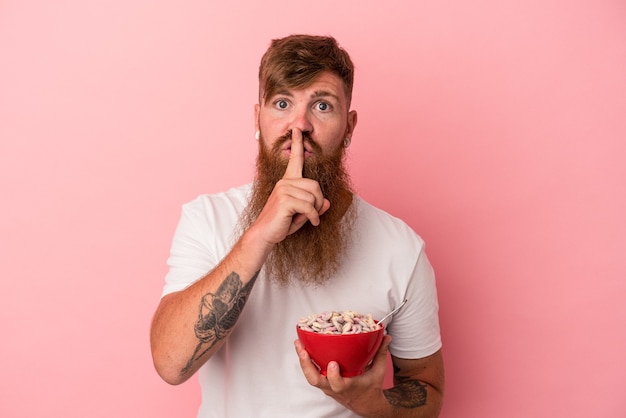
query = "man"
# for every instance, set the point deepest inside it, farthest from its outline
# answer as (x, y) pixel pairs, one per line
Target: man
(246, 264)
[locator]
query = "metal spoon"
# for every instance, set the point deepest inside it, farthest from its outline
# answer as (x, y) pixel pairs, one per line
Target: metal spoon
(392, 312)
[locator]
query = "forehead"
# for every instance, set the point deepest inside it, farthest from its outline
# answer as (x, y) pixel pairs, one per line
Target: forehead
(326, 84)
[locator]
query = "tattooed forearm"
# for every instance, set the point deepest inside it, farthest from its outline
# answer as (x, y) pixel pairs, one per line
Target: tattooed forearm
(408, 393)
(218, 313)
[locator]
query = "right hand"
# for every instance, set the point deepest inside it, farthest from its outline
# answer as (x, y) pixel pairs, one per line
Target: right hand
(294, 201)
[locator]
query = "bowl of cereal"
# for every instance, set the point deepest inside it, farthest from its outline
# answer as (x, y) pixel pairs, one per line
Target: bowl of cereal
(347, 337)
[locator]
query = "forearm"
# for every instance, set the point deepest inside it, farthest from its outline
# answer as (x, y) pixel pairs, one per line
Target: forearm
(407, 399)
(413, 398)
(417, 392)
(190, 325)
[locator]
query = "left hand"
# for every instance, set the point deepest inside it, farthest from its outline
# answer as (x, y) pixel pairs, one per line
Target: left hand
(361, 394)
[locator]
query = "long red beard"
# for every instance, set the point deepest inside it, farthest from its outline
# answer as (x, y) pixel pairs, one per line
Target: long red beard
(312, 254)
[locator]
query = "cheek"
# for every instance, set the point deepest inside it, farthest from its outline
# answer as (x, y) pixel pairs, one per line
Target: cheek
(332, 135)
(273, 127)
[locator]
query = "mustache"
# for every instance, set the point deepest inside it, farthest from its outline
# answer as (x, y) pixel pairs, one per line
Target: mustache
(306, 137)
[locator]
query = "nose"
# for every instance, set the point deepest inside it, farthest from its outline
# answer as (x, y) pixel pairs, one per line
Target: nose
(301, 120)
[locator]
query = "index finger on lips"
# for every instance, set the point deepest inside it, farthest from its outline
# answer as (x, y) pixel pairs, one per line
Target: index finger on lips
(296, 156)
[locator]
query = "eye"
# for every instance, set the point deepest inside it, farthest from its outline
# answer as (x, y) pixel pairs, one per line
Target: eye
(281, 104)
(323, 106)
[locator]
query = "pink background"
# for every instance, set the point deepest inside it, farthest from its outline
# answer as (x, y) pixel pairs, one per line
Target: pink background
(496, 129)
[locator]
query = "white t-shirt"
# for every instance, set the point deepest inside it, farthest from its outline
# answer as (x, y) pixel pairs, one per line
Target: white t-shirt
(256, 372)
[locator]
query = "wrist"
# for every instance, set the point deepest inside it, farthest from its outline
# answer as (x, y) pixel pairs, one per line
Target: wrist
(372, 406)
(254, 247)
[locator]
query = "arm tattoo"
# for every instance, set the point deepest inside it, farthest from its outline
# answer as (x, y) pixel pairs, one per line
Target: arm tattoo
(408, 393)
(218, 313)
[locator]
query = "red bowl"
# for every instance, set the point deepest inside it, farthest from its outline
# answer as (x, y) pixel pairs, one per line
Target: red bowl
(353, 352)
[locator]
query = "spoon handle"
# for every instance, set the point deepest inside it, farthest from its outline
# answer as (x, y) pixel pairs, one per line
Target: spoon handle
(392, 312)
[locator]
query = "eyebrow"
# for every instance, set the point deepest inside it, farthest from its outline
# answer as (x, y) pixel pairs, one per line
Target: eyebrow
(324, 93)
(316, 94)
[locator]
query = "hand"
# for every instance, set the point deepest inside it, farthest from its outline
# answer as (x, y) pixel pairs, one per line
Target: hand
(360, 394)
(294, 201)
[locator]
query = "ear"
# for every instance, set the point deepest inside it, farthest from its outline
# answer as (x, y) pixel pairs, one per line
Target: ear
(256, 117)
(352, 119)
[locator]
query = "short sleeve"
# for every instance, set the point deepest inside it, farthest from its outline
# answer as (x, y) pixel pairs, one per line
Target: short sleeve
(203, 237)
(415, 328)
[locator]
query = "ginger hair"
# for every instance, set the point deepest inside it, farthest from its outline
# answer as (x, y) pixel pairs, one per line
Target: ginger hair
(296, 60)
